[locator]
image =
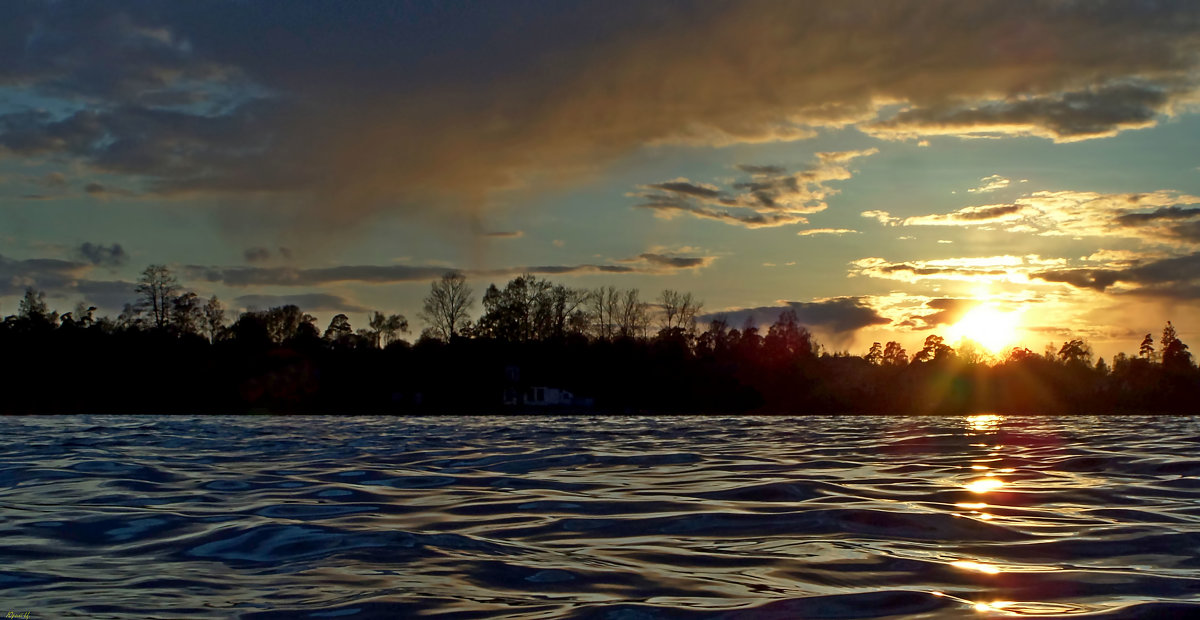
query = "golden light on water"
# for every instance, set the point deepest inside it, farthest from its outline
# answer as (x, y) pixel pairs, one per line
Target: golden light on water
(984, 423)
(976, 566)
(993, 606)
(991, 328)
(983, 485)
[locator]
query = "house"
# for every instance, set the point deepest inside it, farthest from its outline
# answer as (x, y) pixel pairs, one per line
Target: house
(538, 395)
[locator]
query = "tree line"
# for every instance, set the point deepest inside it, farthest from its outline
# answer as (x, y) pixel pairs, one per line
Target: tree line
(172, 351)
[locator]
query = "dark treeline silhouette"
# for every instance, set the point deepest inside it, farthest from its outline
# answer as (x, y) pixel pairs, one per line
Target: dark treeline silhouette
(537, 346)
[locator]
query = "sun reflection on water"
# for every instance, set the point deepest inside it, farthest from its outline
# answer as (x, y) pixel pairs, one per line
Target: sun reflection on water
(976, 566)
(983, 485)
(984, 423)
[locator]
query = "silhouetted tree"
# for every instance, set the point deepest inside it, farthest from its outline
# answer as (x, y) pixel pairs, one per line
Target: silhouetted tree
(787, 340)
(633, 315)
(213, 318)
(1146, 351)
(339, 328)
(678, 311)
(386, 329)
(289, 322)
(969, 352)
(187, 314)
(156, 288)
(603, 310)
(1075, 352)
(445, 308)
(894, 354)
(33, 311)
(874, 356)
(934, 349)
(1174, 352)
(84, 315)
(1020, 354)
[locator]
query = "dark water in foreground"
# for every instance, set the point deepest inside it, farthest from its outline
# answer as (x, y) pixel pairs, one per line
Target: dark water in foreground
(624, 518)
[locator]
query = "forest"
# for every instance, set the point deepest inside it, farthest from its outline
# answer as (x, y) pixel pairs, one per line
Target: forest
(538, 347)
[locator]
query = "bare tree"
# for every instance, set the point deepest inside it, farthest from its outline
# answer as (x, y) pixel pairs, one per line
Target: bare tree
(603, 308)
(679, 311)
(633, 315)
(156, 289)
(446, 306)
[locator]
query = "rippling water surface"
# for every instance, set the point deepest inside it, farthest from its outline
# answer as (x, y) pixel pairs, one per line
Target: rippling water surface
(599, 517)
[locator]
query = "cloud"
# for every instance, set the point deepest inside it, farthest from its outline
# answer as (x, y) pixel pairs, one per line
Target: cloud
(505, 234)
(947, 311)
(39, 273)
(826, 231)
(263, 255)
(969, 216)
(838, 315)
(990, 184)
(315, 302)
(677, 262)
(289, 276)
(101, 255)
(327, 112)
(770, 197)
(256, 255)
(883, 217)
(650, 263)
(1176, 277)
(1005, 268)
(63, 279)
(1089, 112)
(1156, 217)
(99, 190)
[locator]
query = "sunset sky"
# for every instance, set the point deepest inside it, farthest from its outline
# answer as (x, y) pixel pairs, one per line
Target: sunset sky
(880, 167)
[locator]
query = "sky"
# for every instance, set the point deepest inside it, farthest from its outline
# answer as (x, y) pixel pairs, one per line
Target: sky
(884, 169)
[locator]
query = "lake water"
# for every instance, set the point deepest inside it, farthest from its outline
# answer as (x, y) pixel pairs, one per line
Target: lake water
(600, 517)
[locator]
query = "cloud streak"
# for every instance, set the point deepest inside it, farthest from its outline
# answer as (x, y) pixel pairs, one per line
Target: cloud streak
(770, 197)
(648, 263)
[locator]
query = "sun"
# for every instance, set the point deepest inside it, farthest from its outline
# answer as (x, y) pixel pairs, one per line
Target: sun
(989, 327)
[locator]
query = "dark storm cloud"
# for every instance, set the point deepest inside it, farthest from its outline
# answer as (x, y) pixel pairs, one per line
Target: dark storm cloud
(353, 108)
(103, 256)
(309, 301)
(839, 315)
(1177, 277)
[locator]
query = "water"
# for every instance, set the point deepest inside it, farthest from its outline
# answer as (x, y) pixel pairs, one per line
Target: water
(623, 518)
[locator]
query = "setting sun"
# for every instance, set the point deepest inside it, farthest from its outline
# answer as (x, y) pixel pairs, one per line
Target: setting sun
(990, 328)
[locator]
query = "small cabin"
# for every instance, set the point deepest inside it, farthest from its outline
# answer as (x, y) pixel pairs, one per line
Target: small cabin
(548, 397)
